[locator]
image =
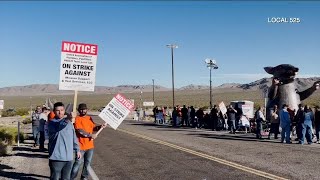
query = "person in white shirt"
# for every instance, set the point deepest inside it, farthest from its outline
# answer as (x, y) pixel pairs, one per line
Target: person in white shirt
(43, 121)
(259, 118)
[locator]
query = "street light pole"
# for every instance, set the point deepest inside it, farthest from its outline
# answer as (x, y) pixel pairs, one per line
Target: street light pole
(210, 90)
(211, 64)
(171, 46)
(140, 98)
(153, 90)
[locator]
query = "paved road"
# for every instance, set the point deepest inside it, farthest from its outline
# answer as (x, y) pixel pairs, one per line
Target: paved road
(291, 161)
(120, 155)
(139, 150)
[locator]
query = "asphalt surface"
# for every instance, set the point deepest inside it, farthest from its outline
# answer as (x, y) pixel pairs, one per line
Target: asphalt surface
(120, 155)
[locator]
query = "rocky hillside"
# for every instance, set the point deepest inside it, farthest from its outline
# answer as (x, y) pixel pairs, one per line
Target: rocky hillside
(53, 89)
(301, 83)
(194, 87)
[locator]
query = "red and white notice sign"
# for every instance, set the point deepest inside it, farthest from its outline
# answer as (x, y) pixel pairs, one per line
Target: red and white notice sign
(78, 66)
(116, 111)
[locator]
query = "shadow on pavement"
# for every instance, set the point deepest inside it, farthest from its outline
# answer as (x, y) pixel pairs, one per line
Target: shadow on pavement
(15, 175)
(162, 127)
(23, 176)
(33, 155)
(234, 137)
(30, 151)
(2, 166)
(148, 124)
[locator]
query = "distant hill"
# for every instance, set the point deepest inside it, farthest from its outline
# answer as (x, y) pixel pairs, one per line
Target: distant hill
(228, 85)
(301, 83)
(256, 85)
(53, 89)
(194, 87)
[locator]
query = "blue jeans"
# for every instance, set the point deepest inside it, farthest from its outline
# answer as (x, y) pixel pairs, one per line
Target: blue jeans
(285, 133)
(36, 134)
(86, 157)
(60, 169)
(306, 132)
(233, 126)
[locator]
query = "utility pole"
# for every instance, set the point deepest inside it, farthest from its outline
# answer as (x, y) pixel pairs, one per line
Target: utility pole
(210, 91)
(172, 46)
(153, 90)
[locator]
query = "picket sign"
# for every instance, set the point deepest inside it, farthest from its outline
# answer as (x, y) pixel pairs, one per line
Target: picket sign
(116, 111)
(78, 68)
(222, 107)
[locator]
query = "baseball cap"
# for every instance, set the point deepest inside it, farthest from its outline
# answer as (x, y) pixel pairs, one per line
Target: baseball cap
(82, 106)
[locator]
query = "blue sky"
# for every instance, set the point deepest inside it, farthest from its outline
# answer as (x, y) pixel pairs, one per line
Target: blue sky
(132, 37)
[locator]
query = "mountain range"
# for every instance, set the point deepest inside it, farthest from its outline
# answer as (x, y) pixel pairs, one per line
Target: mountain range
(53, 89)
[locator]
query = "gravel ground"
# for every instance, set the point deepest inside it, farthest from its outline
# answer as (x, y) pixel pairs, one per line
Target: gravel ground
(25, 161)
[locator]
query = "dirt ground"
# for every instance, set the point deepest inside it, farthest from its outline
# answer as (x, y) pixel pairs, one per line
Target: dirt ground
(25, 161)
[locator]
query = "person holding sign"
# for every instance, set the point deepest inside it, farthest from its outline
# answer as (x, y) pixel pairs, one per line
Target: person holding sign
(35, 117)
(84, 127)
(62, 143)
(43, 120)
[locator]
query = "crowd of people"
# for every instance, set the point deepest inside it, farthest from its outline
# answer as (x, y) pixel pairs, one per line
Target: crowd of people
(304, 124)
(298, 123)
(190, 117)
(70, 135)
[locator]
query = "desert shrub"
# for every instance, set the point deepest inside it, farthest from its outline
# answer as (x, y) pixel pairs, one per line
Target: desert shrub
(12, 112)
(22, 112)
(27, 120)
(8, 113)
(205, 107)
(9, 135)
(3, 148)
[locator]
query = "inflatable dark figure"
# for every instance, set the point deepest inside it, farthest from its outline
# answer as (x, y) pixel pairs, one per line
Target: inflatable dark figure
(283, 89)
